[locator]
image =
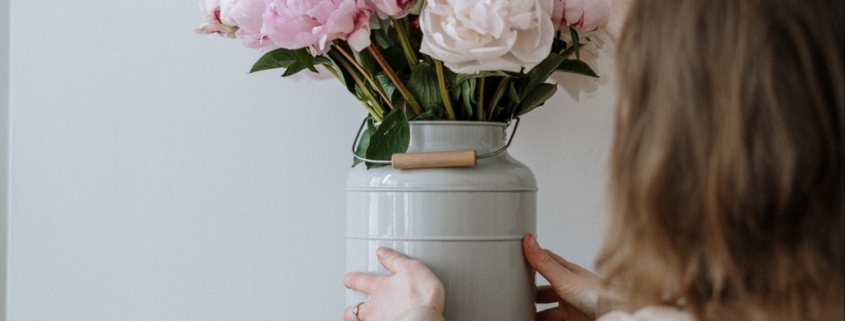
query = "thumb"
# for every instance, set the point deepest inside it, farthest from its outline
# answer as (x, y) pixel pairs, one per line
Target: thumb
(547, 266)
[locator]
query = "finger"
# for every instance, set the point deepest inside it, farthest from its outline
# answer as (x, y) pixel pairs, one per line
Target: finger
(393, 261)
(569, 265)
(553, 314)
(547, 294)
(563, 262)
(364, 311)
(362, 282)
(544, 263)
(348, 315)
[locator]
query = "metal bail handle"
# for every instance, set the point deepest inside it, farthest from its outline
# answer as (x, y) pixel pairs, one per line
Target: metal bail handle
(462, 158)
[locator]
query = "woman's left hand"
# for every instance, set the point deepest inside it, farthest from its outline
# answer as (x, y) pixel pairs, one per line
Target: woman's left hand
(575, 289)
(411, 285)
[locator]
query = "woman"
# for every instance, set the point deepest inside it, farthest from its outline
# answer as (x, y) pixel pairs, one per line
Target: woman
(727, 182)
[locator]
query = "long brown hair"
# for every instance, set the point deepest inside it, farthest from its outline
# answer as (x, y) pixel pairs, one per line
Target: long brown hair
(727, 178)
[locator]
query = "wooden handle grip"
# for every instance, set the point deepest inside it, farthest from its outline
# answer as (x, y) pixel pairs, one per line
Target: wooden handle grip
(463, 158)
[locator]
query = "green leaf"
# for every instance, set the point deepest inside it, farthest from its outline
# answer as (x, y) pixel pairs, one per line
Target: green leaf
(577, 67)
(321, 61)
(364, 142)
(391, 137)
(467, 90)
(428, 115)
(395, 58)
(416, 9)
(279, 58)
(305, 58)
(423, 85)
(382, 38)
(536, 98)
(464, 77)
(455, 93)
(366, 60)
(512, 94)
(494, 116)
(384, 23)
(575, 44)
(400, 101)
(450, 76)
(348, 80)
(294, 69)
(496, 99)
(541, 73)
(388, 85)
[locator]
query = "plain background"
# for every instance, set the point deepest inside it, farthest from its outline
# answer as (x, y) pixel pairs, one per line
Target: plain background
(4, 138)
(151, 178)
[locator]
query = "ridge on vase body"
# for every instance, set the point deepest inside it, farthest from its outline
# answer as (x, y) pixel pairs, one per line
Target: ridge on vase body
(466, 224)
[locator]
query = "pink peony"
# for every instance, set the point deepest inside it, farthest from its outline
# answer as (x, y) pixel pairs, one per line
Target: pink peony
(314, 24)
(583, 15)
(391, 8)
(248, 15)
(215, 20)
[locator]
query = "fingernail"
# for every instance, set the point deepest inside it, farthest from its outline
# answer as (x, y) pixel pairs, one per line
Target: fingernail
(382, 252)
(533, 243)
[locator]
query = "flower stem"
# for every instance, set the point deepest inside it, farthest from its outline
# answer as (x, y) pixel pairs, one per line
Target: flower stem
(371, 80)
(497, 94)
(480, 101)
(402, 31)
(367, 92)
(444, 93)
(395, 79)
(334, 72)
(567, 52)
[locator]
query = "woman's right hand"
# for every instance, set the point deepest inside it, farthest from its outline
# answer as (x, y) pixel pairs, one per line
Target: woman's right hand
(575, 288)
(411, 285)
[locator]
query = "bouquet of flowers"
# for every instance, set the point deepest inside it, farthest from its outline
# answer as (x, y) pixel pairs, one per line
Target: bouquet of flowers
(483, 60)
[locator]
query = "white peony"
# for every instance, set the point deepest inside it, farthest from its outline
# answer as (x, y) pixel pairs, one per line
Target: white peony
(470, 36)
(599, 52)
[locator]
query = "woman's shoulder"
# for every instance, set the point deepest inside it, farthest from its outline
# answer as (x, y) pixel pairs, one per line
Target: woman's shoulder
(653, 313)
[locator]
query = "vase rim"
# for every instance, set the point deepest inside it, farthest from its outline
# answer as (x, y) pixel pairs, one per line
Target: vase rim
(458, 122)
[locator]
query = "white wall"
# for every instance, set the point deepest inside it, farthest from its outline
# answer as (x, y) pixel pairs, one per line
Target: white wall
(151, 178)
(4, 148)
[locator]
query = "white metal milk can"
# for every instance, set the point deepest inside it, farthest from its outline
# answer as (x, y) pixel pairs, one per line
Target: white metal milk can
(466, 224)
